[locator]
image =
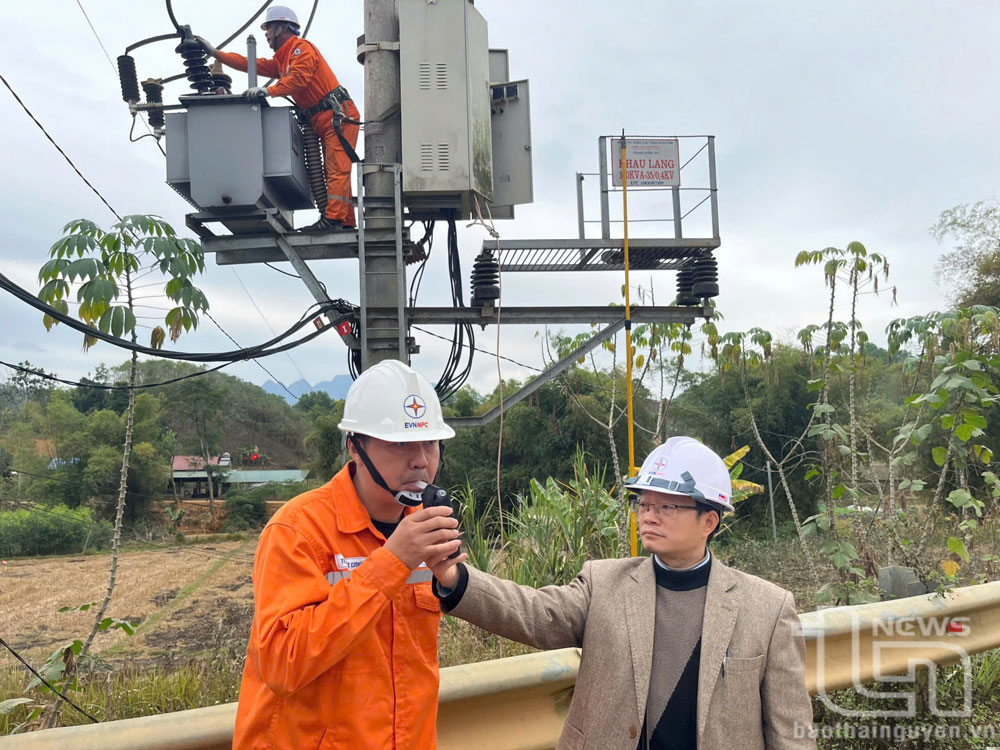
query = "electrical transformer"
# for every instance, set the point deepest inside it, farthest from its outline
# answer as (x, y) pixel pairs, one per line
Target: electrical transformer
(226, 155)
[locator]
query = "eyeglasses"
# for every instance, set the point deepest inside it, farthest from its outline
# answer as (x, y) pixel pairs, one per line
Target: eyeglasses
(660, 510)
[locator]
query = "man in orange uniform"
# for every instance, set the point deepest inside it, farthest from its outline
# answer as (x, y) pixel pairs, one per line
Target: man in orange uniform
(304, 75)
(343, 646)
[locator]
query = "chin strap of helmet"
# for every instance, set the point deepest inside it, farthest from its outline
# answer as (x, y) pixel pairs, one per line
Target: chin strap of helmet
(376, 477)
(409, 498)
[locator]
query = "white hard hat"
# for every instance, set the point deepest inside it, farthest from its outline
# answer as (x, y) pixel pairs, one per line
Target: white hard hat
(280, 13)
(683, 466)
(391, 401)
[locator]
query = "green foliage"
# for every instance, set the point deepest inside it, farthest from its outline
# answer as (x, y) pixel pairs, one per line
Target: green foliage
(51, 531)
(542, 433)
(560, 526)
(246, 510)
(480, 537)
(131, 690)
(325, 440)
(102, 264)
(239, 414)
(713, 409)
(248, 507)
(971, 271)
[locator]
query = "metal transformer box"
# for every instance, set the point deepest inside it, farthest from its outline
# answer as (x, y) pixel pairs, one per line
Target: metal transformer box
(445, 101)
(225, 153)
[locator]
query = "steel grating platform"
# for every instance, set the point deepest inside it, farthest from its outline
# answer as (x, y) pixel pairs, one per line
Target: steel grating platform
(599, 255)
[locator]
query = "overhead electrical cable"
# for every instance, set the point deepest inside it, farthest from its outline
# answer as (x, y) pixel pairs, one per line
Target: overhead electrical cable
(455, 373)
(261, 350)
(149, 133)
(106, 387)
(268, 324)
(44, 681)
(481, 351)
(256, 362)
(59, 148)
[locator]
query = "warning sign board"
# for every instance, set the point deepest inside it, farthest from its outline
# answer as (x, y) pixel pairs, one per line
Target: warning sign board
(650, 162)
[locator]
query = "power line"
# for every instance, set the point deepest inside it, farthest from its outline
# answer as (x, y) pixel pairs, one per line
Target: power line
(96, 36)
(256, 362)
(44, 681)
(115, 71)
(262, 350)
(104, 386)
(259, 312)
(59, 148)
(481, 351)
(279, 270)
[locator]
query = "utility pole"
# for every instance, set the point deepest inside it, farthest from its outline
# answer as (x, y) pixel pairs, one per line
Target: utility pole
(380, 283)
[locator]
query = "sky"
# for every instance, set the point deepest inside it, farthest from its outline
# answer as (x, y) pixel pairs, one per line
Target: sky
(835, 121)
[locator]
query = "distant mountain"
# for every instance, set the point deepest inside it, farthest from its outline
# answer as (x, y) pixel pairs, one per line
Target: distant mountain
(336, 388)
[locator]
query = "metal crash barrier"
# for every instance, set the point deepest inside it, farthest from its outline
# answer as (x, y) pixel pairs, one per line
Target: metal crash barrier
(519, 703)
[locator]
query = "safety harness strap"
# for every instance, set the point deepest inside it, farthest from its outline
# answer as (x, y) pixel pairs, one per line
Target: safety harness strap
(334, 100)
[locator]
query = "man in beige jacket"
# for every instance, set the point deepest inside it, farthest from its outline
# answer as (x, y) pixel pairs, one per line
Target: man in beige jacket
(679, 651)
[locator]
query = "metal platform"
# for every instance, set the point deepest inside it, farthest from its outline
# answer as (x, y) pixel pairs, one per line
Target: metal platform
(261, 248)
(660, 254)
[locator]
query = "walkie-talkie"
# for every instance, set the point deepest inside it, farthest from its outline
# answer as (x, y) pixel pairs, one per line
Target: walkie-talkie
(430, 496)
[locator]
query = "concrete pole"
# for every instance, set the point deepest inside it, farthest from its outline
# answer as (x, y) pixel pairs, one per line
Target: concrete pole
(383, 146)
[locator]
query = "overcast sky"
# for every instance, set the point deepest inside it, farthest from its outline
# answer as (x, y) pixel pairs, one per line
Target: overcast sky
(835, 121)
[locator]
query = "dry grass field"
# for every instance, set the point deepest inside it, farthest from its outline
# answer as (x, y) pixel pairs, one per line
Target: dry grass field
(184, 599)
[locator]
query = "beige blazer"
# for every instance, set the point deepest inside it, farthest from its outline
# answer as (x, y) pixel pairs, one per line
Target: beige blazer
(753, 701)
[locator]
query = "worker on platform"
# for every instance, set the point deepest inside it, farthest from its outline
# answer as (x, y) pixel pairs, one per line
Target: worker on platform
(304, 75)
(679, 651)
(343, 646)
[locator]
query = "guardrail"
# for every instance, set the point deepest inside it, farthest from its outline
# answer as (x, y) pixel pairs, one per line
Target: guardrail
(519, 703)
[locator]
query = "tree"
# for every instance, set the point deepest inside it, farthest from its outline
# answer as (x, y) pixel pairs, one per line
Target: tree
(319, 400)
(204, 403)
(104, 265)
(971, 271)
(325, 441)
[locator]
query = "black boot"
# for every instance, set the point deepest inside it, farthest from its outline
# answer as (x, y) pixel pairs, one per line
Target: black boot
(322, 225)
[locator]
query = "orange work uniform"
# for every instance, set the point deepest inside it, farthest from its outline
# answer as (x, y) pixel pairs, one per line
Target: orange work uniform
(343, 647)
(304, 75)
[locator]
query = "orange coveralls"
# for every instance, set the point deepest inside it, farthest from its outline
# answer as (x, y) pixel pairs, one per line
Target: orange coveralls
(304, 75)
(343, 647)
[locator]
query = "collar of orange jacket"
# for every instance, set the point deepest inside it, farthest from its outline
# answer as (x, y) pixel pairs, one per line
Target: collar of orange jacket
(285, 49)
(351, 514)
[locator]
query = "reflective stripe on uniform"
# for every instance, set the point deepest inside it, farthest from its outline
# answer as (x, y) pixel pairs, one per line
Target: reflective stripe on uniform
(342, 199)
(420, 575)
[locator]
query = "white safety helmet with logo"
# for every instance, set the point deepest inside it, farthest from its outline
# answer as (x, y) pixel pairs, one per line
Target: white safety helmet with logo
(683, 466)
(393, 402)
(280, 13)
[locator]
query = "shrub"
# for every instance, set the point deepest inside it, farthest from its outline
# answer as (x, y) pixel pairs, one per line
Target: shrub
(560, 527)
(248, 508)
(52, 531)
(245, 511)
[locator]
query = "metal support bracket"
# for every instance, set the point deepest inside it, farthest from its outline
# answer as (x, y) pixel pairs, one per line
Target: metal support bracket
(313, 284)
(364, 48)
(563, 364)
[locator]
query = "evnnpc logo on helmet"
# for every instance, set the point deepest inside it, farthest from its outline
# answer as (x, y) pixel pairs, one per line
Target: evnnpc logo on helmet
(414, 407)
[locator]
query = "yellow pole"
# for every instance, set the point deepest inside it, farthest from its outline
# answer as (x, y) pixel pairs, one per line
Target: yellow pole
(633, 535)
